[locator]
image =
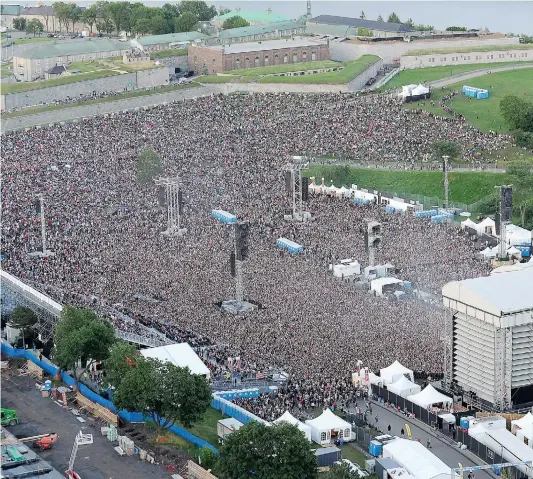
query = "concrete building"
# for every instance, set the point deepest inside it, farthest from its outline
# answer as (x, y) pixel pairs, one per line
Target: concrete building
(489, 351)
(211, 60)
(32, 64)
(253, 17)
(461, 56)
(348, 27)
(255, 33)
(152, 43)
(9, 13)
(46, 15)
(135, 57)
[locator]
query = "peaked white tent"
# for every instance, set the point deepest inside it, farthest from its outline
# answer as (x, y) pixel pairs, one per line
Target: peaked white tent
(288, 417)
(487, 226)
(394, 372)
(404, 387)
(325, 424)
(488, 253)
(429, 396)
(181, 355)
(468, 223)
(420, 90)
(373, 379)
(523, 428)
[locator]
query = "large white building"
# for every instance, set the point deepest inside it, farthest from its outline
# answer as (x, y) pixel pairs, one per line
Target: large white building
(491, 351)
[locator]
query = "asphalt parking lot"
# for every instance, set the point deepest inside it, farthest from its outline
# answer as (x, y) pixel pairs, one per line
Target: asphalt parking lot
(41, 415)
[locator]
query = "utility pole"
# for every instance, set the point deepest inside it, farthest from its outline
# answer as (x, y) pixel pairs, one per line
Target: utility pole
(44, 253)
(446, 183)
(174, 205)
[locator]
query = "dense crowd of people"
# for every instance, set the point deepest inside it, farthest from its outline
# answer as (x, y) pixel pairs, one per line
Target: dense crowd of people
(229, 152)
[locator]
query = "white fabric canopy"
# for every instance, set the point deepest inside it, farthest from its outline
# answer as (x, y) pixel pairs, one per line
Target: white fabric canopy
(523, 428)
(420, 90)
(181, 355)
(375, 379)
(322, 426)
(393, 372)
(468, 222)
(428, 397)
(404, 387)
(288, 417)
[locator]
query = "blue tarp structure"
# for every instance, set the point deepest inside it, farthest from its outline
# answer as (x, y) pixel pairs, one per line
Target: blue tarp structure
(441, 219)
(239, 393)
(224, 216)
(426, 214)
(473, 92)
(290, 245)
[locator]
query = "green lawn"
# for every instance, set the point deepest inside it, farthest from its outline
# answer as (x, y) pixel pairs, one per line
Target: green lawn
(431, 74)
(23, 41)
(5, 72)
(484, 114)
(206, 429)
(465, 186)
(473, 48)
(216, 79)
(293, 67)
(350, 452)
(176, 52)
(26, 86)
(350, 71)
(129, 94)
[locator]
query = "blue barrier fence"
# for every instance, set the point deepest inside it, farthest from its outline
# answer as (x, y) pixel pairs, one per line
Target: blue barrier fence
(52, 370)
(236, 412)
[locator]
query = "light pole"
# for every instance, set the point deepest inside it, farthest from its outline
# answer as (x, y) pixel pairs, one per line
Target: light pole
(446, 183)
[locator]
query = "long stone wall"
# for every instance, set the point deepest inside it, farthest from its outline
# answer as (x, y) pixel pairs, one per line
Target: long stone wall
(116, 83)
(360, 81)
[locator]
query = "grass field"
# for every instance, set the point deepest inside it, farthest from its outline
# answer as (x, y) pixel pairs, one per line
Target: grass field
(23, 41)
(122, 96)
(484, 114)
(206, 429)
(217, 79)
(350, 452)
(26, 86)
(294, 67)
(473, 48)
(431, 74)
(465, 186)
(350, 71)
(176, 52)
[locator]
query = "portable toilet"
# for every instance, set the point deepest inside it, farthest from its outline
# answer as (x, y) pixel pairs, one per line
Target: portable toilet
(375, 448)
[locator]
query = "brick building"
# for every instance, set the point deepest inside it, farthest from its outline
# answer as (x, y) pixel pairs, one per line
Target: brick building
(210, 60)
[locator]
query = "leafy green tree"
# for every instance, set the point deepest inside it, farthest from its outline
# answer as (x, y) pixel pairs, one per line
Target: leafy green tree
(170, 13)
(122, 357)
(163, 392)
(445, 148)
(89, 16)
(23, 319)
(235, 22)
(267, 452)
(74, 14)
(143, 26)
(393, 18)
(364, 32)
(380, 18)
(340, 471)
(409, 23)
(223, 11)
(158, 25)
(62, 12)
(185, 22)
(105, 26)
(199, 9)
(524, 139)
(456, 29)
(81, 336)
(19, 24)
(517, 112)
(362, 15)
(522, 179)
(207, 458)
(149, 166)
(34, 26)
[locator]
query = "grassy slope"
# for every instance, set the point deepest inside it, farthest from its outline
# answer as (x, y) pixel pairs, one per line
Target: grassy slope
(294, 67)
(485, 114)
(176, 52)
(473, 48)
(206, 429)
(430, 74)
(465, 187)
(350, 71)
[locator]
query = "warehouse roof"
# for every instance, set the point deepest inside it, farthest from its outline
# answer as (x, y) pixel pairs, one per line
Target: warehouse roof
(171, 38)
(74, 48)
(258, 29)
(41, 10)
(11, 9)
(254, 16)
(363, 23)
(501, 294)
(269, 45)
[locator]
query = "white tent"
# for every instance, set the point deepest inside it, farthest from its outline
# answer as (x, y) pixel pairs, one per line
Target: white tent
(181, 355)
(487, 226)
(404, 387)
(428, 397)
(395, 371)
(323, 425)
(420, 90)
(523, 428)
(488, 253)
(375, 379)
(468, 223)
(515, 235)
(288, 417)
(512, 251)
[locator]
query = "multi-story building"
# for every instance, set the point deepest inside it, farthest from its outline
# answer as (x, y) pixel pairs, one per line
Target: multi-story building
(151, 43)
(211, 60)
(46, 15)
(32, 64)
(349, 27)
(268, 31)
(9, 13)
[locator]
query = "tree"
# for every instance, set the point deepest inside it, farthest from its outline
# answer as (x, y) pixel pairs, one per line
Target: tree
(23, 319)
(199, 9)
(34, 26)
(163, 392)
(456, 29)
(393, 18)
(267, 452)
(517, 112)
(223, 11)
(364, 32)
(62, 12)
(235, 22)
(89, 16)
(340, 471)
(445, 148)
(143, 26)
(362, 16)
(185, 22)
(409, 23)
(170, 13)
(207, 457)
(19, 24)
(81, 336)
(105, 26)
(522, 180)
(74, 14)
(122, 357)
(380, 18)
(149, 166)
(158, 25)
(116, 14)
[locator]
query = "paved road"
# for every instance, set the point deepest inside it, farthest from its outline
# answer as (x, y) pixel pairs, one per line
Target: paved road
(477, 73)
(450, 455)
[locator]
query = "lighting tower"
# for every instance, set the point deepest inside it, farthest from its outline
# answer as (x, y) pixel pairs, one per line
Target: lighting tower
(174, 205)
(295, 168)
(39, 206)
(446, 183)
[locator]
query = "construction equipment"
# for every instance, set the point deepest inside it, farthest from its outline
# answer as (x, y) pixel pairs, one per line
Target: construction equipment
(80, 440)
(46, 442)
(9, 417)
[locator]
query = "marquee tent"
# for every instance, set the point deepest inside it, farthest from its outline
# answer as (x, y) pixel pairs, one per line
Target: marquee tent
(420, 90)
(375, 379)
(181, 355)
(523, 428)
(468, 223)
(403, 387)
(487, 226)
(288, 417)
(323, 426)
(428, 397)
(394, 372)
(488, 252)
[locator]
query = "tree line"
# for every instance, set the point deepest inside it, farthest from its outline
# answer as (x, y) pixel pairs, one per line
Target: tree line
(394, 18)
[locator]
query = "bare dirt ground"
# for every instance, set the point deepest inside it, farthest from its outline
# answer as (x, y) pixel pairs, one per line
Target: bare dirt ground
(95, 461)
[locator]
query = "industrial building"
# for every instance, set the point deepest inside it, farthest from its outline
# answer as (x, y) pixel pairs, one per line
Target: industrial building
(253, 33)
(168, 41)
(210, 60)
(489, 350)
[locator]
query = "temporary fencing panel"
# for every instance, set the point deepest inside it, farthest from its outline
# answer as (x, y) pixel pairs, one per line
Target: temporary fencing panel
(236, 412)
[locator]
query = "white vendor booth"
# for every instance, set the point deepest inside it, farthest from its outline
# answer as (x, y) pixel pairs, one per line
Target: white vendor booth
(403, 387)
(523, 429)
(429, 397)
(288, 417)
(328, 426)
(395, 371)
(346, 268)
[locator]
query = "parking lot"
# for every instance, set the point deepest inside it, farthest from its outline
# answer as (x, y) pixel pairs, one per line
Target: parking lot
(41, 415)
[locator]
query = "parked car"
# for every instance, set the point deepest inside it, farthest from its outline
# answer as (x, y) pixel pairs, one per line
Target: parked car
(371, 81)
(99, 34)
(184, 81)
(189, 74)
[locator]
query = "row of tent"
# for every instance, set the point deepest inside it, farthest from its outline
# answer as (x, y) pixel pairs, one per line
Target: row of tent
(414, 92)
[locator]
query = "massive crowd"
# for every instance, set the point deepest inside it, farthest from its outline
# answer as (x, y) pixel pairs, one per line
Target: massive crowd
(229, 152)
